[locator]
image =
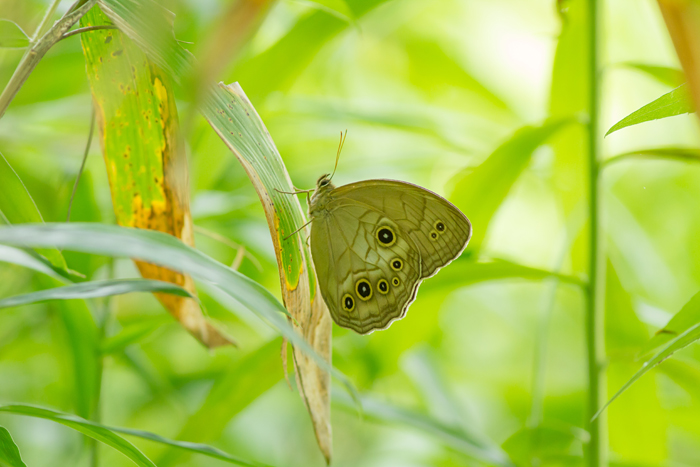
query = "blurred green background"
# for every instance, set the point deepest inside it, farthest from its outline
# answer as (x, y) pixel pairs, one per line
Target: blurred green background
(427, 91)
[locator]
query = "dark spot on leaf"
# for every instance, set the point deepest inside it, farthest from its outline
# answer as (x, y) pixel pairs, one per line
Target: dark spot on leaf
(108, 39)
(117, 52)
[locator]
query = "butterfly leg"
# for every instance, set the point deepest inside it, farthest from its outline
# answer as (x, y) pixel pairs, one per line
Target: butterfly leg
(297, 192)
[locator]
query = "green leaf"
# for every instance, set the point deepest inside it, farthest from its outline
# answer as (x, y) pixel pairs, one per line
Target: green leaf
(108, 435)
(12, 36)
(165, 250)
(85, 427)
(337, 8)
(18, 207)
(672, 77)
(546, 445)
(482, 190)
(94, 289)
(456, 439)
(463, 272)
(674, 103)
(687, 317)
(31, 260)
(236, 389)
(9, 452)
(681, 340)
(133, 333)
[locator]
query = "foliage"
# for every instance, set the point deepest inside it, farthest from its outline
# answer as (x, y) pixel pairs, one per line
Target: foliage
(581, 280)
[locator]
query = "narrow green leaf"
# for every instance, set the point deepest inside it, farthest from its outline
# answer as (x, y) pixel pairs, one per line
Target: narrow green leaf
(85, 427)
(165, 250)
(687, 317)
(463, 272)
(682, 340)
(94, 289)
(672, 77)
(108, 435)
(239, 386)
(9, 452)
(674, 103)
(670, 153)
(12, 36)
(133, 333)
(18, 207)
(337, 8)
(31, 260)
(385, 412)
(548, 445)
(497, 174)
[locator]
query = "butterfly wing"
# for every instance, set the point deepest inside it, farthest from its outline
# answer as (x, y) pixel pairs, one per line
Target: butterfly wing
(438, 229)
(366, 284)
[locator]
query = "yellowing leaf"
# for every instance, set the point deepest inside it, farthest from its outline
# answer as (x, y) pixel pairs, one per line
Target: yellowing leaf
(144, 155)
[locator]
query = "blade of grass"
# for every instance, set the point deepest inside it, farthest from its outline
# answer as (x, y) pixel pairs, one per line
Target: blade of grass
(165, 250)
(18, 207)
(676, 102)
(687, 317)
(672, 77)
(132, 333)
(95, 289)
(31, 260)
(85, 427)
(684, 339)
(9, 452)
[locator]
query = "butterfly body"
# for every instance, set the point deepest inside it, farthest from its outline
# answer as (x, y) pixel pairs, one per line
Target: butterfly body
(373, 242)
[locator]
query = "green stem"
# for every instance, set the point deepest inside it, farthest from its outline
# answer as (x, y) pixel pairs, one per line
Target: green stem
(43, 26)
(38, 49)
(597, 455)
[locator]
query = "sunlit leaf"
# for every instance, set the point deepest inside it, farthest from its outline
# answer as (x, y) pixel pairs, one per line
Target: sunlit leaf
(676, 102)
(339, 8)
(12, 36)
(672, 77)
(95, 289)
(144, 154)
(85, 427)
(481, 191)
(683, 22)
(9, 452)
(687, 317)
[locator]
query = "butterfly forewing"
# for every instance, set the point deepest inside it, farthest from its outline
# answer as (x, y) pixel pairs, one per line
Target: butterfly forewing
(439, 230)
(365, 282)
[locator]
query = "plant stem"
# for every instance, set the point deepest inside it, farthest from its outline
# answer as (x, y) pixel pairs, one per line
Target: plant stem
(597, 455)
(39, 48)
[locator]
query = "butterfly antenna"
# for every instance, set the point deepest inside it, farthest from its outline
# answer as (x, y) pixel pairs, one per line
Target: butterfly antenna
(340, 148)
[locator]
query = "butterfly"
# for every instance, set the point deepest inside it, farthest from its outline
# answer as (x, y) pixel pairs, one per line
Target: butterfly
(373, 242)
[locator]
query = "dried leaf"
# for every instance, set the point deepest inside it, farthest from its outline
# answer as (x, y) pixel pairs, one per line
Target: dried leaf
(234, 118)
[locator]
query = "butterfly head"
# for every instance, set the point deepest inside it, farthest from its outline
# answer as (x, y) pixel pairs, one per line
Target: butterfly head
(324, 183)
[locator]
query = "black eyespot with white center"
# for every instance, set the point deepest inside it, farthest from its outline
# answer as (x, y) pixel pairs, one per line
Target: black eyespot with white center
(383, 286)
(433, 235)
(440, 226)
(397, 264)
(386, 236)
(348, 302)
(395, 282)
(363, 289)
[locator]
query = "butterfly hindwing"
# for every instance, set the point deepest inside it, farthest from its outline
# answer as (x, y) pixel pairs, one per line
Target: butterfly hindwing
(368, 268)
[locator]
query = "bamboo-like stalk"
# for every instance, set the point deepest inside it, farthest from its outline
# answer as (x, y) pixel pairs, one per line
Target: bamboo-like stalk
(597, 447)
